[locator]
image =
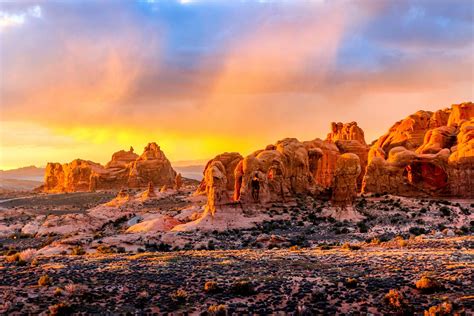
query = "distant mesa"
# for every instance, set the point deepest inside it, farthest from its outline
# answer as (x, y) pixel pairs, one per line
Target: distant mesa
(126, 169)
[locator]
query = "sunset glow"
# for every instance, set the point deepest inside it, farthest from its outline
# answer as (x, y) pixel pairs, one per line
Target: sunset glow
(85, 79)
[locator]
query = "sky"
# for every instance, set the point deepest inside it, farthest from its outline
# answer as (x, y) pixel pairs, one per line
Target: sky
(84, 79)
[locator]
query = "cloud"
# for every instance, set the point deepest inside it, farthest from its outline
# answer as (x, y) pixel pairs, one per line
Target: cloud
(227, 75)
(10, 19)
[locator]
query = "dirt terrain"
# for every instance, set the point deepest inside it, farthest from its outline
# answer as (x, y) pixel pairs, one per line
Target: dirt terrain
(326, 281)
(293, 258)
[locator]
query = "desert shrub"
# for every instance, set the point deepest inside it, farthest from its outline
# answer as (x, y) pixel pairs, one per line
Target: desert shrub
(427, 284)
(401, 241)
(58, 292)
(350, 283)
(417, 231)
(445, 211)
(348, 246)
(75, 289)
(324, 247)
(363, 228)
(211, 245)
(375, 241)
(180, 296)
(242, 287)
(104, 249)
(217, 310)
(395, 300)
(11, 251)
(465, 211)
(12, 258)
(78, 251)
(44, 280)
(59, 309)
(27, 255)
(211, 287)
(443, 309)
(121, 250)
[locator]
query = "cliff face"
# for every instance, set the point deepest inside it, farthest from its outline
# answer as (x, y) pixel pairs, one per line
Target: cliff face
(126, 169)
(426, 154)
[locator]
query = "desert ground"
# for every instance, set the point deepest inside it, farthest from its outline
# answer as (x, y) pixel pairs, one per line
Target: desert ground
(106, 252)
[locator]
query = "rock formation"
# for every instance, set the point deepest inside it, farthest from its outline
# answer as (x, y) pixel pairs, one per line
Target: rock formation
(345, 190)
(216, 186)
(229, 161)
(349, 138)
(150, 191)
(178, 182)
(289, 167)
(427, 153)
(282, 170)
(347, 131)
(126, 169)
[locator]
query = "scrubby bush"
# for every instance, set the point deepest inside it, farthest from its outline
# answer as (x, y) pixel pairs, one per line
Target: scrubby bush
(75, 289)
(350, 283)
(443, 309)
(58, 292)
(217, 310)
(395, 300)
(44, 280)
(27, 255)
(348, 246)
(427, 284)
(417, 231)
(180, 296)
(60, 309)
(211, 287)
(445, 211)
(242, 287)
(78, 251)
(104, 249)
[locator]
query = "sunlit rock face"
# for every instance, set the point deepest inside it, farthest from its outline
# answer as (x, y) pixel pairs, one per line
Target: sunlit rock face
(126, 169)
(282, 170)
(216, 186)
(349, 138)
(285, 169)
(347, 172)
(428, 154)
(229, 162)
(151, 166)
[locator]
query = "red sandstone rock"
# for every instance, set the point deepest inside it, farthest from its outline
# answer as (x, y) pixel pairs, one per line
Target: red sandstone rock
(348, 170)
(229, 161)
(440, 165)
(125, 169)
(346, 131)
(178, 182)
